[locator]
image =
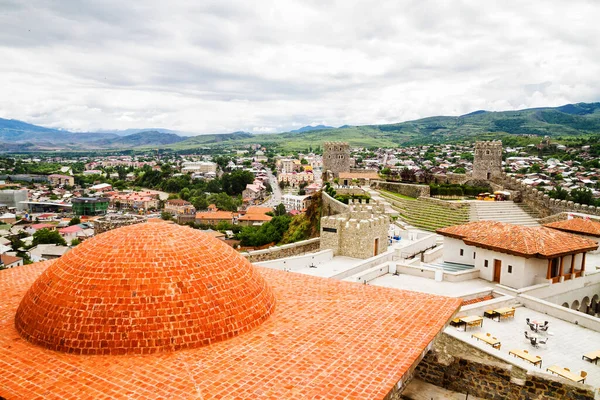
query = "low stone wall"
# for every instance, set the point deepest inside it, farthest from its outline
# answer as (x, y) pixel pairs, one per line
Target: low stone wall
(331, 206)
(287, 250)
(456, 366)
(351, 191)
(405, 189)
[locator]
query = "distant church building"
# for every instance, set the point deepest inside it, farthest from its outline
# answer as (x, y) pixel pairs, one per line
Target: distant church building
(336, 159)
(487, 163)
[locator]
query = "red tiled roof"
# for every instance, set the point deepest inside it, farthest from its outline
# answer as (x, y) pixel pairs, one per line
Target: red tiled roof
(258, 210)
(7, 260)
(178, 202)
(70, 229)
(519, 240)
(577, 225)
(225, 215)
(143, 289)
(325, 339)
(255, 217)
(42, 226)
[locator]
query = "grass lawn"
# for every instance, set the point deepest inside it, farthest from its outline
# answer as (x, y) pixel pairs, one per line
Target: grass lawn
(399, 195)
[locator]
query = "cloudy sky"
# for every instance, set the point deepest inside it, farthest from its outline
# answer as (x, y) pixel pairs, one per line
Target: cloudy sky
(269, 66)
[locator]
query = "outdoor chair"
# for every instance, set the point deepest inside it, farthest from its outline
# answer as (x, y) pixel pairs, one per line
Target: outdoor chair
(542, 341)
(526, 335)
(533, 328)
(583, 375)
(544, 328)
(533, 341)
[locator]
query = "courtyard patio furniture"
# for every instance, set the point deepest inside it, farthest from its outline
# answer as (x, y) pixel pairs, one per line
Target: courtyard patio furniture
(505, 312)
(524, 355)
(490, 314)
(456, 321)
(471, 321)
(544, 327)
(487, 338)
(592, 356)
(542, 341)
(566, 373)
(533, 341)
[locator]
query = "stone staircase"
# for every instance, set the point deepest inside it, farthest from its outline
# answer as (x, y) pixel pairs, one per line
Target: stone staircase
(503, 211)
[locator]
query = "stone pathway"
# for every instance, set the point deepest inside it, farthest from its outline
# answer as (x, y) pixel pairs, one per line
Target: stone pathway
(503, 211)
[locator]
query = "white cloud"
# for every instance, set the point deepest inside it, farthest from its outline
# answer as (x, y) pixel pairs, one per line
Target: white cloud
(222, 66)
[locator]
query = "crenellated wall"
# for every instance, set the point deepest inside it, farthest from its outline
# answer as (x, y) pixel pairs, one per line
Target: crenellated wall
(541, 202)
(331, 206)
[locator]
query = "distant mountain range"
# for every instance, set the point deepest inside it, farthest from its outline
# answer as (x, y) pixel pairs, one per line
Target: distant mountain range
(567, 120)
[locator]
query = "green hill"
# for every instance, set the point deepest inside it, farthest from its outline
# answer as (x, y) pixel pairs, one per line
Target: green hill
(569, 120)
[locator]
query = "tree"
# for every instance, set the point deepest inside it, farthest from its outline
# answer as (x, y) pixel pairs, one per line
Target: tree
(304, 161)
(166, 216)
(386, 171)
(224, 202)
(582, 196)
(74, 221)
(75, 242)
(280, 210)
(46, 236)
(235, 182)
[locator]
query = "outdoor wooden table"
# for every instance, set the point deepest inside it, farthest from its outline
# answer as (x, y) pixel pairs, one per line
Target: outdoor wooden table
(472, 320)
(592, 356)
(492, 341)
(555, 369)
(505, 312)
(524, 354)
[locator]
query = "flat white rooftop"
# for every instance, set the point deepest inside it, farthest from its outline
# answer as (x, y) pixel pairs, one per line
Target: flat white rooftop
(336, 265)
(567, 342)
(426, 285)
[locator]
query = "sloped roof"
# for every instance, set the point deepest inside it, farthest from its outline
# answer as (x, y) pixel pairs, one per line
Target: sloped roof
(519, 240)
(577, 225)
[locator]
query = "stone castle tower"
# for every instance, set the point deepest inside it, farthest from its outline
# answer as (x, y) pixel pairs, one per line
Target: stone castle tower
(362, 232)
(336, 159)
(487, 163)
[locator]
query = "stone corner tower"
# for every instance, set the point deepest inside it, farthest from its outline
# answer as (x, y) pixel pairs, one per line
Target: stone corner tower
(336, 159)
(487, 163)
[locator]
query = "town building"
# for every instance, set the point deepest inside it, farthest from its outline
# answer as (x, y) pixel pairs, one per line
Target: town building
(254, 193)
(199, 167)
(89, 206)
(8, 261)
(61, 180)
(295, 202)
(14, 198)
(584, 227)
(309, 337)
(358, 177)
(101, 187)
(177, 207)
(294, 179)
(516, 256)
(214, 217)
(138, 201)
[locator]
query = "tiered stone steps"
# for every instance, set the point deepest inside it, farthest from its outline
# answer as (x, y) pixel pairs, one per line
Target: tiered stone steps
(503, 211)
(425, 215)
(449, 266)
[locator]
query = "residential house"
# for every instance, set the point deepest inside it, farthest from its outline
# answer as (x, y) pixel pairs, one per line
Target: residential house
(61, 180)
(179, 207)
(8, 261)
(214, 217)
(295, 202)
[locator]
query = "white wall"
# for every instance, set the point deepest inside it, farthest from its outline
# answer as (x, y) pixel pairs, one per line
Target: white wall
(452, 248)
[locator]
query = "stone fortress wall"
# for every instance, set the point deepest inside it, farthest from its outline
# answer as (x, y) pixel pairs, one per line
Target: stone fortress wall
(287, 250)
(331, 206)
(336, 159)
(362, 232)
(405, 189)
(457, 366)
(114, 221)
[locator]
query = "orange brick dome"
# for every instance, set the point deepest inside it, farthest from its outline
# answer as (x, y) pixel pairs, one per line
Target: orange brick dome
(143, 289)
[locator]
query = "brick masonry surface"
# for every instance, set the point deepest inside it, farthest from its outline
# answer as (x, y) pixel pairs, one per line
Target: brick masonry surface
(326, 339)
(462, 368)
(143, 289)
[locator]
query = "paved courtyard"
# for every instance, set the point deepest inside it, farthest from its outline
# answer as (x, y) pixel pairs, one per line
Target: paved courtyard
(336, 265)
(566, 342)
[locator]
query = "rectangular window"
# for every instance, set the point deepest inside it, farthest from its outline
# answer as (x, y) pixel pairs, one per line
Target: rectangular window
(462, 252)
(474, 255)
(510, 269)
(485, 263)
(333, 230)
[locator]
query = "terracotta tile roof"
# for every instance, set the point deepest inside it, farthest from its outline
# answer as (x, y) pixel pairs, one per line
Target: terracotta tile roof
(577, 225)
(519, 240)
(258, 210)
(255, 217)
(70, 229)
(7, 260)
(178, 202)
(225, 215)
(326, 339)
(92, 300)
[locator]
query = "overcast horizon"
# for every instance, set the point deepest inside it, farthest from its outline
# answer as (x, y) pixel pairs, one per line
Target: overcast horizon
(263, 67)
